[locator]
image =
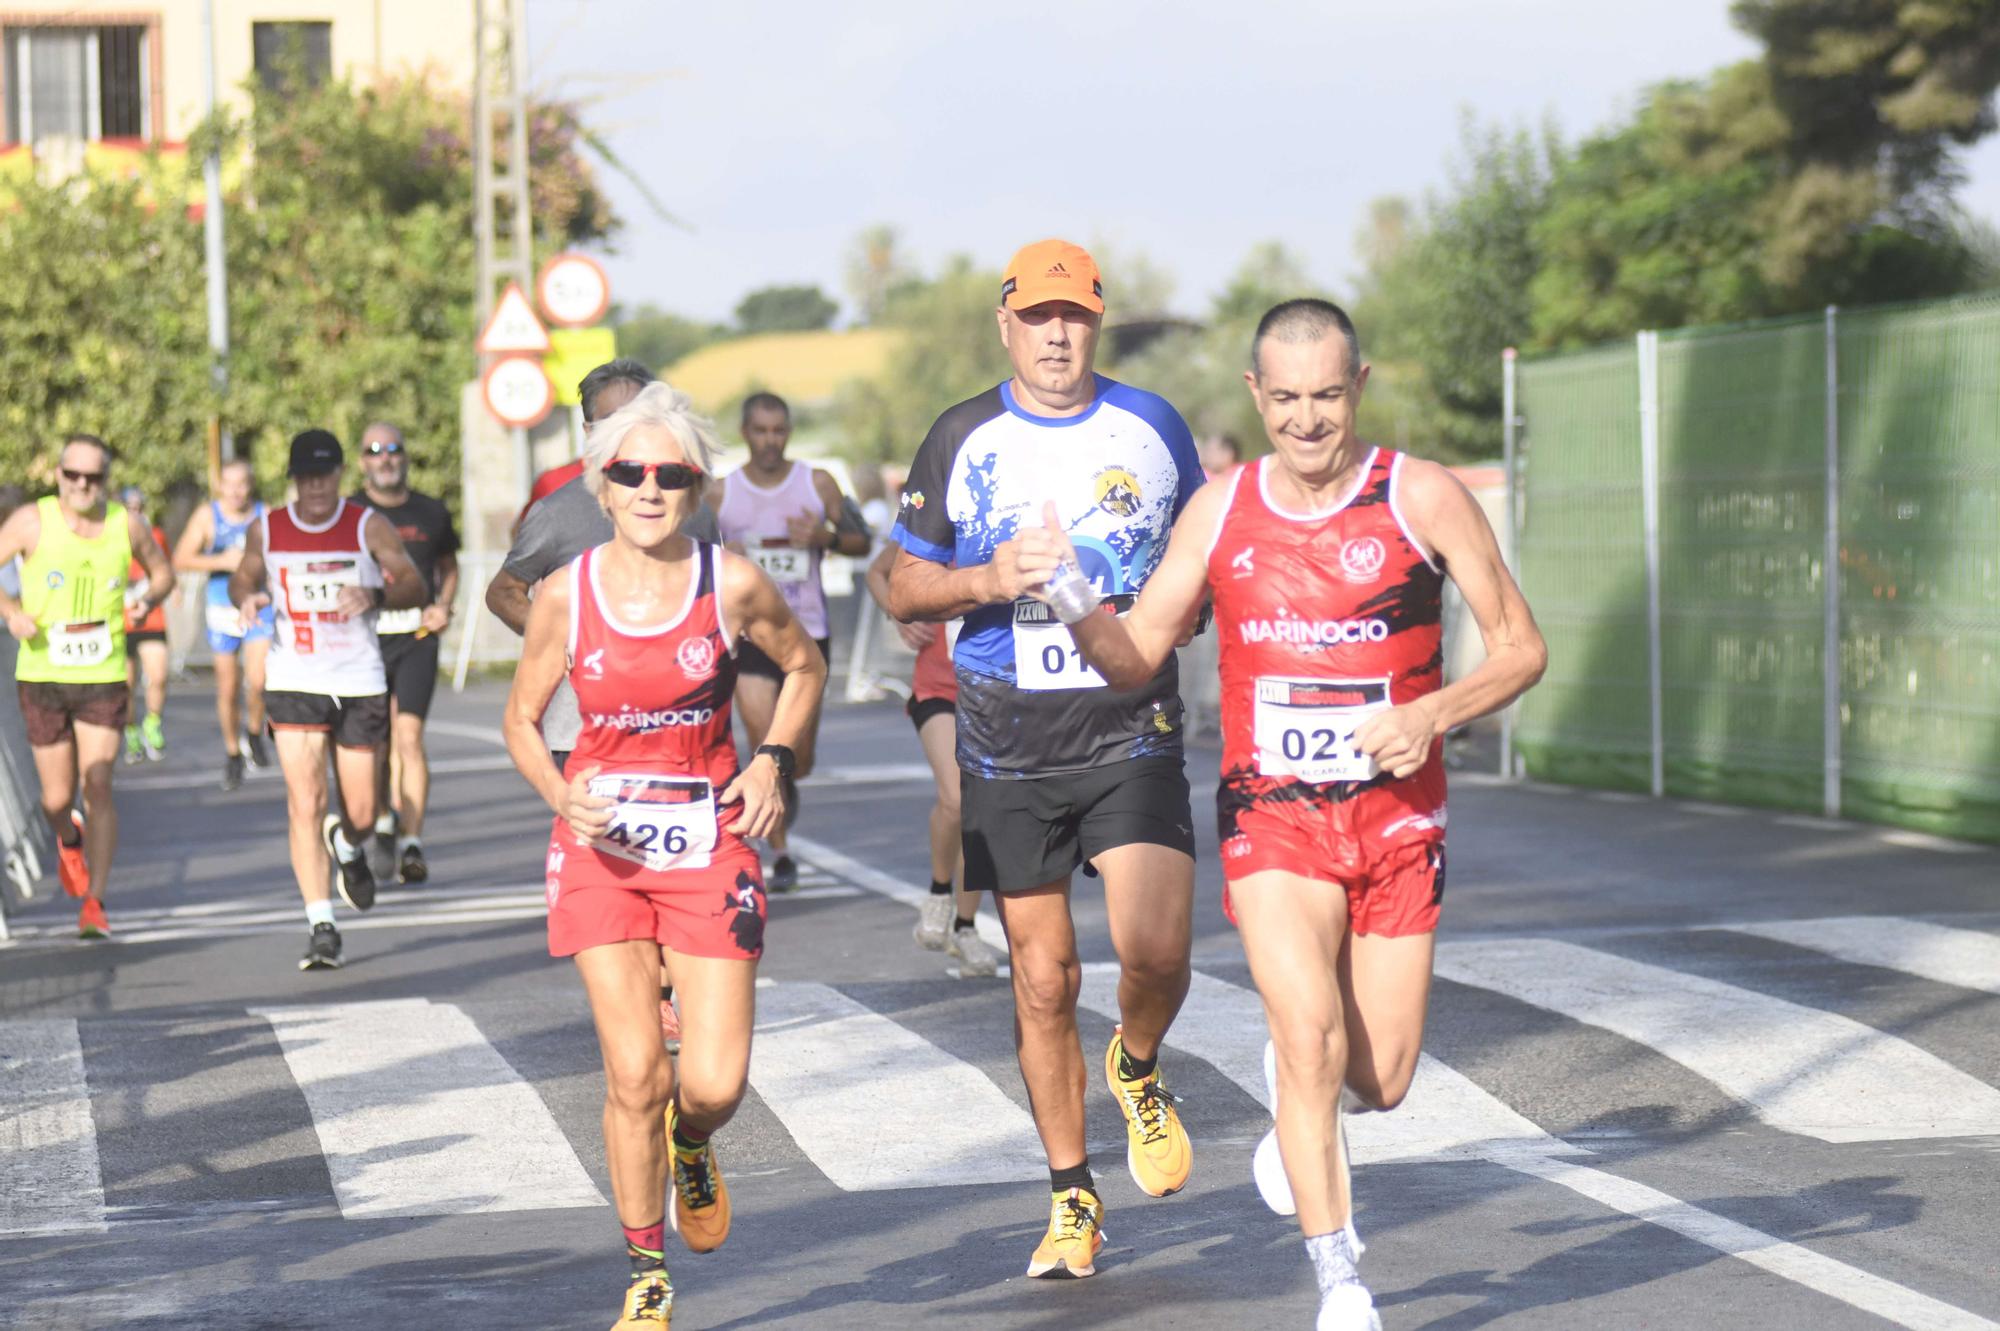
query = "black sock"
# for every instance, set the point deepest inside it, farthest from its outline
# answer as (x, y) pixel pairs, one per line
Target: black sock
(1076, 1176)
(962, 922)
(940, 889)
(1132, 1069)
(687, 1140)
(69, 835)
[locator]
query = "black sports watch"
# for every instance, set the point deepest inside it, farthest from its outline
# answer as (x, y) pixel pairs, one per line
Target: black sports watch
(781, 757)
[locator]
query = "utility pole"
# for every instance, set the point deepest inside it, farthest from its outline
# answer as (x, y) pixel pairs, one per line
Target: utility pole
(503, 229)
(221, 444)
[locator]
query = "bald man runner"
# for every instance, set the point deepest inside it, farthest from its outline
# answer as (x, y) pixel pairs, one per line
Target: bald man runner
(1327, 562)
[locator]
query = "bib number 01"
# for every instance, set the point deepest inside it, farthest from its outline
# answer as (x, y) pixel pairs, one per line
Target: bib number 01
(1046, 658)
(662, 822)
(1305, 728)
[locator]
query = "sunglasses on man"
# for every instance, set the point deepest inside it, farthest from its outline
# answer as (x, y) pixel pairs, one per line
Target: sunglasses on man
(83, 477)
(376, 450)
(668, 475)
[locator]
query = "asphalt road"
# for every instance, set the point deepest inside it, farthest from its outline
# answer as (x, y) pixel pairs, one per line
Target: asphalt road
(1688, 1066)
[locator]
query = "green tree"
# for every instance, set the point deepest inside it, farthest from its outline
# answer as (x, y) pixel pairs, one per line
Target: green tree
(876, 271)
(657, 338)
(950, 350)
(1447, 287)
(350, 266)
(785, 309)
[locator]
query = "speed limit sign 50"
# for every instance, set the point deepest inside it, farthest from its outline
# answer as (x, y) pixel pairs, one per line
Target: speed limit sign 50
(518, 392)
(573, 290)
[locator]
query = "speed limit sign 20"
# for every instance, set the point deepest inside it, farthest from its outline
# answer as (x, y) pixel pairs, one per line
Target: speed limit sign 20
(518, 392)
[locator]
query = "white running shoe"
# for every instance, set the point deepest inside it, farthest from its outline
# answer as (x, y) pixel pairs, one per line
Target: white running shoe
(975, 957)
(934, 919)
(1267, 1166)
(1348, 1308)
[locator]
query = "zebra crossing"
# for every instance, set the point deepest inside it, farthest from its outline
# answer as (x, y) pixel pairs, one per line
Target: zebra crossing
(415, 1108)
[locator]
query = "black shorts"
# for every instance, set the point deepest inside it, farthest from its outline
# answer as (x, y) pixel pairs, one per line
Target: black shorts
(133, 637)
(1021, 834)
(921, 710)
(410, 660)
(354, 723)
(750, 661)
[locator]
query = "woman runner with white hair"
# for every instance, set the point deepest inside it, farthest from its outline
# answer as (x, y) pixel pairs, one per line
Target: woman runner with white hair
(648, 856)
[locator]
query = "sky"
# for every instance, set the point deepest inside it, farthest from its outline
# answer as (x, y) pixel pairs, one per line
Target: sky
(1186, 132)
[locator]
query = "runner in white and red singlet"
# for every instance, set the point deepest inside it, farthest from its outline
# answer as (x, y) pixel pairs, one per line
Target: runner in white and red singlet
(648, 862)
(327, 567)
(1327, 562)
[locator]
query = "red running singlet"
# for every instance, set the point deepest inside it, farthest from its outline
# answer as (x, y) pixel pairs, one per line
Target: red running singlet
(1326, 619)
(655, 712)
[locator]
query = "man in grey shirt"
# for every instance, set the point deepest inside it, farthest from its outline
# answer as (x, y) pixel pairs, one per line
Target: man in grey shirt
(561, 526)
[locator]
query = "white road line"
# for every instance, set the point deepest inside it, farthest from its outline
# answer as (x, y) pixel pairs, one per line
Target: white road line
(871, 774)
(1927, 841)
(1447, 1115)
(51, 936)
(1223, 1025)
(466, 730)
(185, 780)
(866, 875)
(1897, 1304)
(830, 1069)
(418, 1115)
(1812, 824)
(1802, 1069)
(49, 1179)
(1967, 958)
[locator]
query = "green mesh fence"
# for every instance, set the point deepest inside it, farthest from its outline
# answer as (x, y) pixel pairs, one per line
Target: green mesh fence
(1742, 540)
(1920, 566)
(1582, 564)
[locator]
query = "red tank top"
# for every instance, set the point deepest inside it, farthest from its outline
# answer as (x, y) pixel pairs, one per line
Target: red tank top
(1323, 619)
(653, 698)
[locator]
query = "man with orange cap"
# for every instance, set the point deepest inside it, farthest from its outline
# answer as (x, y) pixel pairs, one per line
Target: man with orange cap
(1060, 771)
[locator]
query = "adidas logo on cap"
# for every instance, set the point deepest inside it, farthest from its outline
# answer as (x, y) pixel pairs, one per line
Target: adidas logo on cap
(1056, 270)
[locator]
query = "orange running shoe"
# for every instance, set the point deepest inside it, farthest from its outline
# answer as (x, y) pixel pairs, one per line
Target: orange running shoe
(71, 868)
(1157, 1149)
(90, 921)
(1076, 1233)
(649, 1303)
(701, 1199)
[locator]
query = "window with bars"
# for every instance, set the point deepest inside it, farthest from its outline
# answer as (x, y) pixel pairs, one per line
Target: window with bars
(278, 48)
(80, 83)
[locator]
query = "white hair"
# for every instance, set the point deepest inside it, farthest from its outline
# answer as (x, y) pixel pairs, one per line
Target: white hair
(657, 404)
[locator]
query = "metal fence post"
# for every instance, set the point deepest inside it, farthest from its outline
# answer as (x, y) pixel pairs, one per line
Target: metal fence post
(1509, 439)
(1830, 574)
(1649, 490)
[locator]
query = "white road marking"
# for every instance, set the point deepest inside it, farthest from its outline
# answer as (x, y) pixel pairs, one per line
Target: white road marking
(866, 875)
(418, 1114)
(1223, 1025)
(1803, 1070)
(1447, 1116)
(831, 1068)
(49, 1178)
(1927, 841)
(184, 780)
(1967, 958)
(871, 774)
(1896, 1304)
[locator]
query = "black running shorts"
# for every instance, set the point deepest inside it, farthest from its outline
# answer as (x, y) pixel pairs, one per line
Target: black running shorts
(354, 723)
(921, 710)
(750, 661)
(1022, 834)
(410, 660)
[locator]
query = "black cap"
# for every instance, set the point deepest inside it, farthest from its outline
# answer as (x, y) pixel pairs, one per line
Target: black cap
(315, 453)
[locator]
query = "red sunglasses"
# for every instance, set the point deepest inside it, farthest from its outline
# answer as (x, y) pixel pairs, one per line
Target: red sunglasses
(668, 475)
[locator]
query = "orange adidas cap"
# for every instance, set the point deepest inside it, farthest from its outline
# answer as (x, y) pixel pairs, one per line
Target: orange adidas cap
(1052, 270)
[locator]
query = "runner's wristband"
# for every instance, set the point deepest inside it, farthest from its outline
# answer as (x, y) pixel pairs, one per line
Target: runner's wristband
(1070, 594)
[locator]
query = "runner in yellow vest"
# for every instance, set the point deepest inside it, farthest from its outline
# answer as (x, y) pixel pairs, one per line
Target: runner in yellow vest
(75, 548)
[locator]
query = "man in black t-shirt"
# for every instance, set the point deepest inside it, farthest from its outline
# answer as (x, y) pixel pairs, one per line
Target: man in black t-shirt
(410, 642)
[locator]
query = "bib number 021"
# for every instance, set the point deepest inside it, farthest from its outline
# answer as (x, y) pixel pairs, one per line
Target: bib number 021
(1305, 728)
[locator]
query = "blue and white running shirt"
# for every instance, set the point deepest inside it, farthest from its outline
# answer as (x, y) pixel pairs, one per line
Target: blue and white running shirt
(1119, 474)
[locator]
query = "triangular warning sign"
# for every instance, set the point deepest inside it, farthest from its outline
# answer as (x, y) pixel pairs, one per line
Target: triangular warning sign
(513, 327)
